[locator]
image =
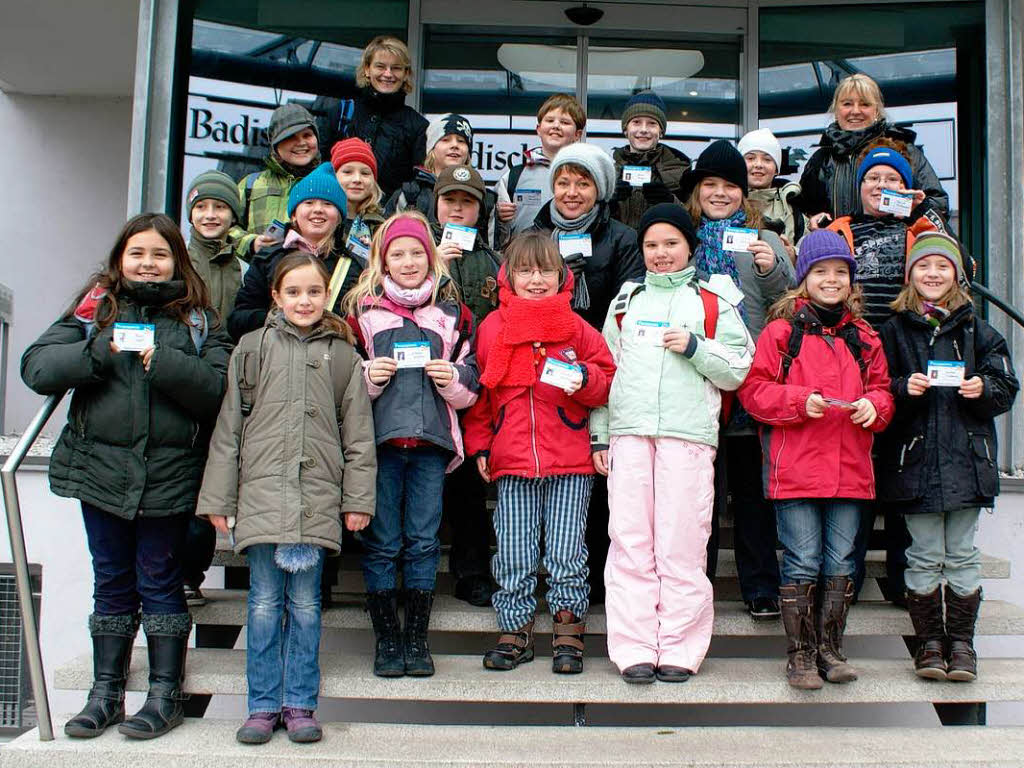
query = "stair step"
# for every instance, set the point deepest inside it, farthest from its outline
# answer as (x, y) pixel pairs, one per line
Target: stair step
(462, 678)
(991, 567)
(211, 743)
(228, 608)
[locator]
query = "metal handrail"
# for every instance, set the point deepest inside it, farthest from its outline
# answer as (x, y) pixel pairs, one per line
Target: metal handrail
(1011, 311)
(17, 535)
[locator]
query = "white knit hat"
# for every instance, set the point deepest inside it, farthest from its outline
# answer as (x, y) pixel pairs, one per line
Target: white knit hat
(763, 140)
(595, 160)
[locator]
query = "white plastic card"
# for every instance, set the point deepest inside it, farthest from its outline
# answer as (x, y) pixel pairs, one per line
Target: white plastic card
(636, 175)
(738, 238)
(134, 337)
(897, 203)
(945, 373)
(559, 374)
(651, 332)
(569, 244)
(528, 197)
(411, 354)
(464, 237)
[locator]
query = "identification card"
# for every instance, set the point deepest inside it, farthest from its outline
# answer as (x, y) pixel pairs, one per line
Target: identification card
(357, 247)
(568, 244)
(275, 231)
(528, 197)
(464, 237)
(559, 374)
(738, 238)
(651, 332)
(945, 373)
(636, 175)
(898, 203)
(411, 354)
(134, 337)
(835, 402)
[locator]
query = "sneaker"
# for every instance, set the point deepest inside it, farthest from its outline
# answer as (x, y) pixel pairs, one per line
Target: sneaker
(258, 728)
(764, 609)
(194, 597)
(302, 725)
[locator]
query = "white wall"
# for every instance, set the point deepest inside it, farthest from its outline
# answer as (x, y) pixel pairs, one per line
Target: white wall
(65, 165)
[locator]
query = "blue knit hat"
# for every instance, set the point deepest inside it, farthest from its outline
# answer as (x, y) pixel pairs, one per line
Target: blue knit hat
(645, 103)
(886, 156)
(321, 184)
(819, 245)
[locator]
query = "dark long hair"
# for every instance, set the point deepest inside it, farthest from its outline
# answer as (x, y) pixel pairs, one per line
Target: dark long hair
(110, 278)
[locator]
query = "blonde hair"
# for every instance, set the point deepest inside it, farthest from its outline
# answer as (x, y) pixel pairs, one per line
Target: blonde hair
(371, 203)
(785, 307)
(566, 102)
(910, 299)
(385, 44)
(754, 217)
(862, 85)
(370, 285)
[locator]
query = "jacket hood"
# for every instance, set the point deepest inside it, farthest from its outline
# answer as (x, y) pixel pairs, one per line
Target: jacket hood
(276, 319)
(152, 294)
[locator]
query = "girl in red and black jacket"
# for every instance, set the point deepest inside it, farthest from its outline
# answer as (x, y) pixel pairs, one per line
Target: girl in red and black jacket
(820, 388)
(544, 368)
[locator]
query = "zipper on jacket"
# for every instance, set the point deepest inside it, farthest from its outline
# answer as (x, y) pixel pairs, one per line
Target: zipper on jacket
(533, 437)
(907, 447)
(956, 348)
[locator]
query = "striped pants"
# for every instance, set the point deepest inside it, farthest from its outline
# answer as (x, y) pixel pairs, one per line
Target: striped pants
(559, 504)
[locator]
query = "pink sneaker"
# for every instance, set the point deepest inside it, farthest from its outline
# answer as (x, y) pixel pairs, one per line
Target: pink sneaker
(258, 728)
(302, 725)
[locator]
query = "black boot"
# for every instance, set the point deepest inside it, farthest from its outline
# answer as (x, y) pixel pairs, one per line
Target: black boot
(926, 613)
(961, 615)
(418, 661)
(389, 656)
(112, 638)
(835, 606)
(166, 643)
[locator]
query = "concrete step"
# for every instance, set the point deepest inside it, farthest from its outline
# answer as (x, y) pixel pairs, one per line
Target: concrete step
(991, 567)
(228, 608)
(211, 744)
(462, 678)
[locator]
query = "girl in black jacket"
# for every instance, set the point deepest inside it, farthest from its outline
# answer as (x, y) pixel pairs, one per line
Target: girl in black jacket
(951, 376)
(133, 452)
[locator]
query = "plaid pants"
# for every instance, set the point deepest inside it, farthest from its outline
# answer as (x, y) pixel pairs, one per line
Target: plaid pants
(559, 504)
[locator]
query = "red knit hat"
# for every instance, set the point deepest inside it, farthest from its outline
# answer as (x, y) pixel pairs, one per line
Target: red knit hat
(353, 150)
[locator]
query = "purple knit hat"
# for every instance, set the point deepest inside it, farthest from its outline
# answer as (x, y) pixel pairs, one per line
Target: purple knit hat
(819, 245)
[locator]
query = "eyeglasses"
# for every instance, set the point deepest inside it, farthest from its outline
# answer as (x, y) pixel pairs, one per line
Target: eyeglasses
(889, 180)
(527, 272)
(396, 69)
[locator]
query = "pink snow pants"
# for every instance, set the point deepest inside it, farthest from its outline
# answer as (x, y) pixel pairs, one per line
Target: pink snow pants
(658, 598)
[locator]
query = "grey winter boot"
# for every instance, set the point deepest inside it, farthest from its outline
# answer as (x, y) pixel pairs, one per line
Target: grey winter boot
(797, 604)
(112, 639)
(166, 643)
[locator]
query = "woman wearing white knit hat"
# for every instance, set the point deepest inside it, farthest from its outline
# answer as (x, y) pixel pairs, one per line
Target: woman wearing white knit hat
(763, 155)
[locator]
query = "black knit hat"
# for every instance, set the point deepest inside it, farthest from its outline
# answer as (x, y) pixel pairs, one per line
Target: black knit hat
(720, 159)
(668, 213)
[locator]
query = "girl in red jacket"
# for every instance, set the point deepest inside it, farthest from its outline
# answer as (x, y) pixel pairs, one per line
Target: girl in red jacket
(544, 368)
(820, 388)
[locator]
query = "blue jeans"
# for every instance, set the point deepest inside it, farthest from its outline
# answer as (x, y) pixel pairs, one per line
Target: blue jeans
(410, 482)
(136, 562)
(283, 633)
(818, 537)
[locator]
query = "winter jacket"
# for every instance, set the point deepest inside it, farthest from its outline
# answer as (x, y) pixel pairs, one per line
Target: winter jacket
(940, 453)
(824, 458)
(289, 470)
(616, 258)
(396, 132)
(135, 442)
(220, 269)
(539, 431)
(476, 275)
(253, 301)
(880, 246)
(530, 191)
(409, 405)
(667, 166)
(264, 198)
(829, 179)
(661, 393)
(775, 203)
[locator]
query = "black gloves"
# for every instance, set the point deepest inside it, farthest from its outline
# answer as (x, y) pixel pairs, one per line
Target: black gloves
(656, 192)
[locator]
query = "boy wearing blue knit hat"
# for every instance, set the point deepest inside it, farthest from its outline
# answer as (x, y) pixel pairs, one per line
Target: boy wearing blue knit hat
(647, 171)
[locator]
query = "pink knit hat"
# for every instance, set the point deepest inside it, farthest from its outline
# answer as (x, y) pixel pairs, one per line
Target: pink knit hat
(407, 226)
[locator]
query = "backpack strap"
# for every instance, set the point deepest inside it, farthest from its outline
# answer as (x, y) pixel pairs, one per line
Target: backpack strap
(710, 302)
(346, 112)
(464, 329)
(514, 174)
(250, 183)
(848, 333)
(247, 369)
(621, 302)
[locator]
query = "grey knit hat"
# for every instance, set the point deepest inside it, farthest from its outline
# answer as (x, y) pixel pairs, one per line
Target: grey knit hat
(215, 185)
(287, 120)
(591, 158)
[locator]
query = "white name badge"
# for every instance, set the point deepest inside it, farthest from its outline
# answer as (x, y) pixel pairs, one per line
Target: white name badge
(897, 203)
(464, 237)
(651, 332)
(559, 374)
(568, 244)
(411, 354)
(945, 373)
(528, 197)
(636, 175)
(134, 337)
(738, 238)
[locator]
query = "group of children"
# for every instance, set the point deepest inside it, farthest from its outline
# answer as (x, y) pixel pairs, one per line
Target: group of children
(376, 355)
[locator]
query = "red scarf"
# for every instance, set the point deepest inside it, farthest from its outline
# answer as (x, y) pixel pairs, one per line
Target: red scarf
(511, 362)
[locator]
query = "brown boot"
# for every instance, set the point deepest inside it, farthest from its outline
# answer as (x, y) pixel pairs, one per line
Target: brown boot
(567, 643)
(926, 613)
(835, 605)
(513, 649)
(797, 603)
(961, 614)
